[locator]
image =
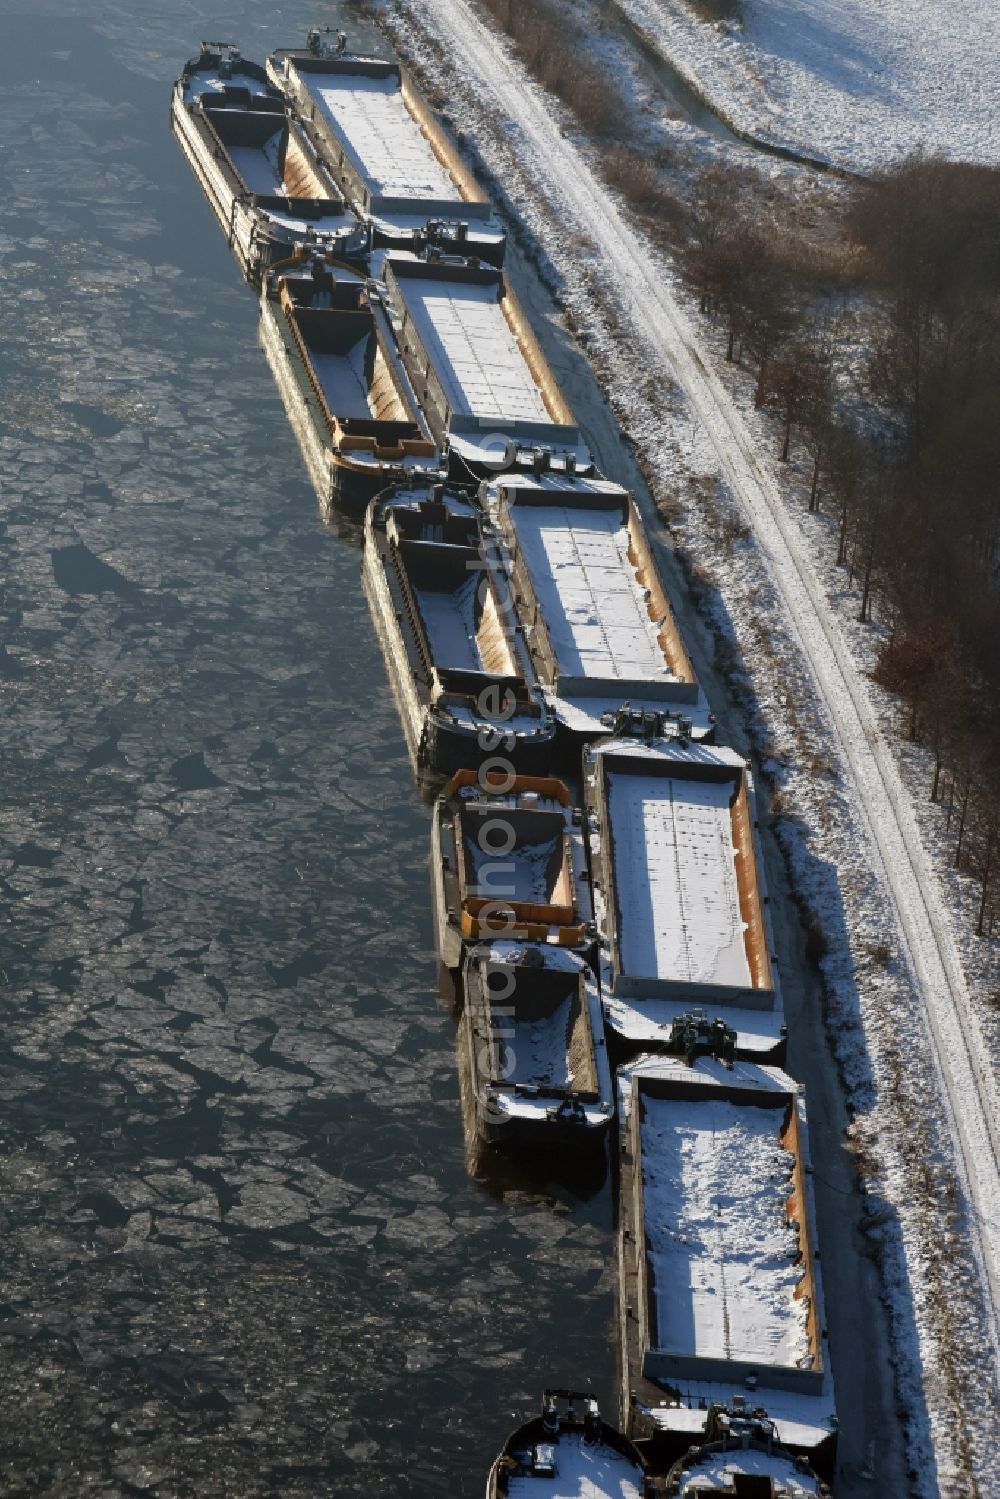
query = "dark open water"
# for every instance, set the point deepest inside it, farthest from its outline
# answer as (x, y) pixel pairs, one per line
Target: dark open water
(241, 1252)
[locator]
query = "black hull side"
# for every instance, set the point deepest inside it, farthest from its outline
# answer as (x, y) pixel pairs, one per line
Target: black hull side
(353, 490)
(520, 1135)
(447, 750)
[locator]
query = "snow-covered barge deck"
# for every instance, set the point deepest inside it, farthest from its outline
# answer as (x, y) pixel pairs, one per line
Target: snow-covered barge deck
(508, 862)
(720, 1294)
(567, 1452)
(679, 899)
(396, 165)
(478, 369)
(598, 619)
(534, 1045)
(741, 1458)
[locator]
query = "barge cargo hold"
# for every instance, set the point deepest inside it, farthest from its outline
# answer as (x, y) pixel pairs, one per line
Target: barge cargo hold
(267, 185)
(598, 620)
(334, 359)
(720, 1292)
(507, 863)
(392, 159)
(458, 663)
(679, 897)
(534, 1045)
(567, 1452)
(479, 372)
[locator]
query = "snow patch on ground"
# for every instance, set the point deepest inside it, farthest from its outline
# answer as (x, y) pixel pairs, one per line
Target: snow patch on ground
(856, 83)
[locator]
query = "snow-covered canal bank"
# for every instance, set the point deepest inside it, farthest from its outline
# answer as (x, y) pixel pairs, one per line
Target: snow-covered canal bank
(854, 83)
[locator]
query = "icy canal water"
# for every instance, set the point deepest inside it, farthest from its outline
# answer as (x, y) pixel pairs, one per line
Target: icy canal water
(241, 1251)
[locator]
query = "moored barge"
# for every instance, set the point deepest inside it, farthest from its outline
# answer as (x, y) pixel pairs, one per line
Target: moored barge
(507, 864)
(491, 399)
(720, 1295)
(392, 159)
(599, 624)
(266, 183)
(534, 1045)
(459, 666)
(333, 355)
(680, 902)
(404, 359)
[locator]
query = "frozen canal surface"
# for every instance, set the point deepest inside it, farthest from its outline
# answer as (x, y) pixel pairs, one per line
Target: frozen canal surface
(242, 1255)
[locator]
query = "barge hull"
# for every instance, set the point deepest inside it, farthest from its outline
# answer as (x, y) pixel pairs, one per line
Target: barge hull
(337, 486)
(666, 1391)
(256, 239)
(435, 747)
(235, 221)
(696, 933)
(449, 210)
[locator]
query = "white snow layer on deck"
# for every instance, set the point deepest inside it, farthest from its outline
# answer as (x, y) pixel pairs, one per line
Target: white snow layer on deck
(384, 139)
(214, 83)
(718, 1239)
(675, 880)
(344, 381)
(715, 1475)
(538, 1050)
(530, 872)
(258, 165)
(450, 622)
(591, 601)
(648, 1022)
(582, 1472)
(476, 356)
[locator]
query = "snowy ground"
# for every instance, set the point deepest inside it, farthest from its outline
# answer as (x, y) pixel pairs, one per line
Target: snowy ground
(858, 83)
(909, 1035)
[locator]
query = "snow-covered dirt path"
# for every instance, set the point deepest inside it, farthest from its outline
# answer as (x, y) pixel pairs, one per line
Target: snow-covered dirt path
(650, 313)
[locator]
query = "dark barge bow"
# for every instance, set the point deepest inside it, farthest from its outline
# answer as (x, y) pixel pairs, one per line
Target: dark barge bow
(568, 1452)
